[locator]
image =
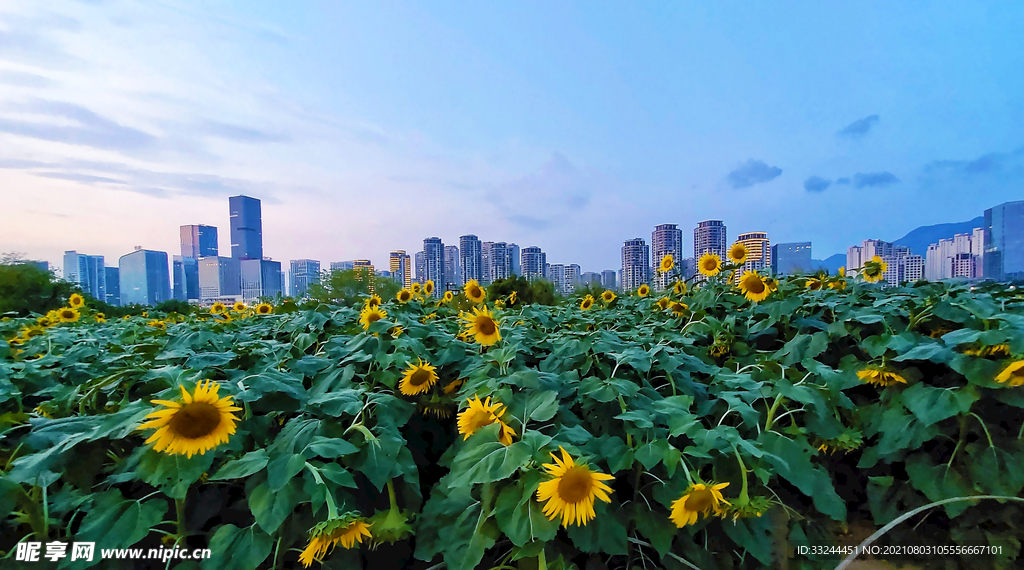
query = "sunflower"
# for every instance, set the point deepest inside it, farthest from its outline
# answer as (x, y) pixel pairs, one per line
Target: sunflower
(418, 378)
(513, 297)
(772, 283)
(841, 272)
(667, 263)
(664, 303)
(710, 264)
(608, 296)
(200, 422)
(264, 309)
(753, 286)
(814, 284)
(678, 309)
(474, 292)
(327, 535)
(217, 309)
(396, 331)
(428, 287)
(373, 300)
(100, 317)
(404, 295)
(1012, 375)
(644, 290)
(482, 326)
(699, 499)
(416, 288)
(880, 377)
(454, 385)
(239, 307)
(838, 284)
(571, 492)
(157, 324)
(874, 270)
(76, 301)
(679, 288)
(448, 297)
(737, 253)
(477, 415)
(587, 302)
(68, 315)
(371, 314)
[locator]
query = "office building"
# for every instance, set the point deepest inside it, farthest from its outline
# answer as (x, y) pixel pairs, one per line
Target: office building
(515, 266)
(471, 258)
(759, 252)
(688, 268)
(666, 239)
(961, 256)
(113, 275)
(400, 269)
(1003, 258)
(198, 241)
(261, 278)
(608, 280)
(302, 273)
(365, 271)
(590, 278)
(220, 279)
(421, 267)
(533, 263)
(86, 271)
(343, 265)
(185, 278)
(791, 258)
(246, 228)
(144, 277)
(636, 264)
(433, 259)
(452, 270)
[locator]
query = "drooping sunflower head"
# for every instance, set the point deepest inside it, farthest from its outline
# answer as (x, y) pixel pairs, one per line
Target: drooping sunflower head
(664, 303)
(571, 491)
(667, 263)
(347, 531)
(644, 290)
(157, 324)
(608, 296)
(404, 295)
(482, 325)
(373, 300)
(264, 309)
(587, 302)
(239, 307)
(679, 288)
(753, 287)
(217, 309)
(737, 253)
(428, 287)
(448, 297)
(678, 309)
(513, 298)
(814, 284)
(68, 315)
(874, 270)
(76, 301)
(477, 415)
(371, 314)
(838, 284)
(418, 378)
(416, 288)
(195, 425)
(699, 499)
(710, 264)
(1012, 375)
(474, 292)
(772, 283)
(880, 377)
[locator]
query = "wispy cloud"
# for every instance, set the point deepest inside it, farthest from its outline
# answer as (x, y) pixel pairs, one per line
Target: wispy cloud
(842, 180)
(239, 133)
(861, 180)
(752, 172)
(816, 184)
(23, 79)
(860, 127)
(90, 129)
(993, 162)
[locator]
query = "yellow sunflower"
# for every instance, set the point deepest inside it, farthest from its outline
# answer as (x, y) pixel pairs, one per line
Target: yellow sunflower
(644, 290)
(710, 264)
(754, 288)
(454, 385)
(482, 326)
(699, 499)
(200, 422)
(448, 297)
(240, 307)
(841, 272)
(608, 296)
(371, 314)
(217, 309)
(477, 415)
(264, 309)
(737, 253)
(880, 377)
(428, 287)
(679, 288)
(571, 492)
(664, 303)
(838, 285)
(76, 301)
(373, 300)
(328, 535)
(667, 263)
(874, 270)
(513, 297)
(772, 283)
(587, 302)
(1013, 375)
(678, 309)
(418, 378)
(68, 315)
(814, 284)
(404, 295)
(474, 292)
(416, 288)
(157, 324)
(396, 331)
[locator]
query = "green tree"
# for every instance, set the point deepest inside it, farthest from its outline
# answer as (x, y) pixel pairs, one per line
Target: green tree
(26, 288)
(528, 292)
(350, 286)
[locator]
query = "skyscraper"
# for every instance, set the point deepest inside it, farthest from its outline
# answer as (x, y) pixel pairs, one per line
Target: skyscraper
(533, 263)
(185, 278)
(470, 258)
(608, 279)
(666, 239)
(198, 241)
(302, 274)
(86, 271)
(246, 228)
(400, 270)
(1004, 242)
(421, 267)
(433, 258)
(573, 276)
(260, 278)
(710, 237)
(220, 278)
(901, 265)
(759, 252)
(515, 266)
(555, 273)
(452, 271)
(343, 265)
(144, 277)
(113, 275)
(791, 258)
(959, 256)
(636, 263)
(364, 271)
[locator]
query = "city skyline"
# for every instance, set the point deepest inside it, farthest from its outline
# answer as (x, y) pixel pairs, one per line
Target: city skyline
(650, 111)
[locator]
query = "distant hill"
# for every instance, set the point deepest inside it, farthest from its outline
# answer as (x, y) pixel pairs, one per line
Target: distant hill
(831, 263)
(919, 239)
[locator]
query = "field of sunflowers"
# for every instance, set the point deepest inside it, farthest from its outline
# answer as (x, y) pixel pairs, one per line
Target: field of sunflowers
(739, 422)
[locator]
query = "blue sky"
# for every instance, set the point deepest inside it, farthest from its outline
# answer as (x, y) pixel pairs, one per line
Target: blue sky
(366, 127)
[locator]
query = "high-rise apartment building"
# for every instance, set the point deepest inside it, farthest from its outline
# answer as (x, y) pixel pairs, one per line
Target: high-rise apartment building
(260, 278)
(901, 265)
(365, 271)
(1004, 242)
(471, 263)
(113, 275)
(709, 236)
(666, 239)
(421, 267)
(86, 271)
(198, 241)
(302, 273)
(185, 278)
(589, 278)
(220, 279)
(452, 269)
(246, 228)
(555, 273)
(514, 259)
(608, 279)
(400, 269)
(433, 258)
(499, 260)
(572, 279)
(759, 253)
(791, 258)
(636, 263)
(533, 263)
(144, 277)
(961, 256)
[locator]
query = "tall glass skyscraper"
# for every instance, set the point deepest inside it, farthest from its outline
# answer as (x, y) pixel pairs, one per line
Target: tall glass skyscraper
(113, 286)
(185, 276)
(303, 273)
(86, 271)
(400, 270)
(433, 257)
(471, 258)
(1003, 259)
(452, 271)
(260, 278)
(791, 258)
(198, 241)
(144, 277)
(246, 228)
(219, 277)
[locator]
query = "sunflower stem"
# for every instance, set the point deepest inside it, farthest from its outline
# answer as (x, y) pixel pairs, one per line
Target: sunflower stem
(179, 508)
(984, 427)
(542, 563)
(770, 419)
(744, 497)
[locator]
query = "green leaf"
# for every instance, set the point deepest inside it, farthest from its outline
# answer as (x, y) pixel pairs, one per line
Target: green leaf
(754, 535)
(282, 468)
(932, 405)
(520, 516)
(271, 508)
(792, 461)
(652, 453)
(938, 482)
(171, 473)
(234, 548)
(249, 464)
(330, 447)
(347, 401)
(605, 533)
(483, 459)
(115, 523)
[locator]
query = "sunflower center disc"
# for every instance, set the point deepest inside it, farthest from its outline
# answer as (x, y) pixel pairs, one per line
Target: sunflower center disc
(755, 285)
(195, 420)
(420, 377)
(698, 501)
(479, 420)
(474, 292)
(575, 485)
(373, 317)
(485, 325)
